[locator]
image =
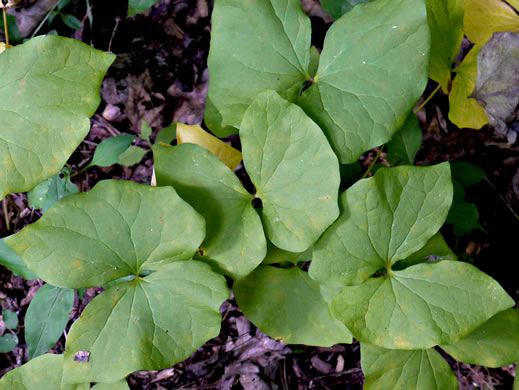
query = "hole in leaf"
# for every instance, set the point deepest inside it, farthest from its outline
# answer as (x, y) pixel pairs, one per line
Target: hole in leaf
(257, 203)
(82, 356)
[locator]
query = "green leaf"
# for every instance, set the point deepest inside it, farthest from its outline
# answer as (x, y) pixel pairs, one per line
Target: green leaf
(235, 243)
(280, 256)
(255, 45)
(445, 19)
(373, 69)
(314, 61)
(436, 249)
(406, 143)
(117, 229)
(131, 156)
(386, 369)
(122, 385)
(46, 318)
(48, 193)
(337, 8)
(108, 151)
(10, 319)
(50, 87)
(421, 306)
(167, 134)
(285, 153)
(146, 132)
(14, 31)
(8, 342)
(42, 373)
(137, 6)
(164, 318)
(467, 174)
(493, 344)
(464, 217)
(14, 263)
(384, 219)
(300, 314)
(516, 382)
(71, 21)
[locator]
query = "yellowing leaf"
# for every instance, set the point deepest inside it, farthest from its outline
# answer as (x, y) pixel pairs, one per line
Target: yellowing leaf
(465, 111)
(187, 134)
(485, 17)
(4, 46)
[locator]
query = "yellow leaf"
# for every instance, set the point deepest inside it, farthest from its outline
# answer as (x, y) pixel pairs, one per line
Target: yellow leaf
(4, 46)
(187, 134)
(465, 111)
(485, 17)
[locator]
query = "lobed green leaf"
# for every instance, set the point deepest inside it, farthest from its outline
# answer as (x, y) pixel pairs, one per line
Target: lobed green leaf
(386, 369)
(49, 89)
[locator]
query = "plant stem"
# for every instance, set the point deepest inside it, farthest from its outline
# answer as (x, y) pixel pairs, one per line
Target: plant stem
(6, 30)
(44, 19)
(373, 163)
(6, 213)
(428, 99)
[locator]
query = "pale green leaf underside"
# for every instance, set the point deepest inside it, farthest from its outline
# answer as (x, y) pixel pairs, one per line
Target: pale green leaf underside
(122, 385)
(42, 373)
(138, 6)
(46, 194)
(115, 230)
(445, 19)
(286, 304)
(493, 344)
(13, 262)
(235, 242)
(46, 318)
(373, 69)
(294, 170)
(255, 45)
(276, 255)
(150, 323)
(422, 306)
(384, 219)
(49, 88)
(387, 369)
(108, 151)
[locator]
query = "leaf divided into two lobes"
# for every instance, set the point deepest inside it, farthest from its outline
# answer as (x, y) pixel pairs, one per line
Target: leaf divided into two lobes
(295, 173)
(162, 313)
(49, 89)
(387, 219)
(373, 67)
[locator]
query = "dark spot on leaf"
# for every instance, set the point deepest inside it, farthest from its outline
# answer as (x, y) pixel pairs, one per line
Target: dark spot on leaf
(307, 84)
(61, 175)
(257, 203)
(82, 356)
(202, 253)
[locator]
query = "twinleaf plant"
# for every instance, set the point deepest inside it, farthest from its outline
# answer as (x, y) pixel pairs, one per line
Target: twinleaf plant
(49, 89)
(380, 269)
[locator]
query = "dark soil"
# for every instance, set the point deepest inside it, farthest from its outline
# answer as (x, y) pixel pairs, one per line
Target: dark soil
(161, 76)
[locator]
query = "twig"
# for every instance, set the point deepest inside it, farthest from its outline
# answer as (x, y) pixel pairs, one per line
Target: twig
(6, 214)
(428, 99)
(373, 163)
(6, 30)
(44, 20)
(502, 199)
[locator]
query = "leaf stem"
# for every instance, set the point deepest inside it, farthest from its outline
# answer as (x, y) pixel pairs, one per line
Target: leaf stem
(6, 30)
(6, 213)
(373, 163)
(428, 99)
